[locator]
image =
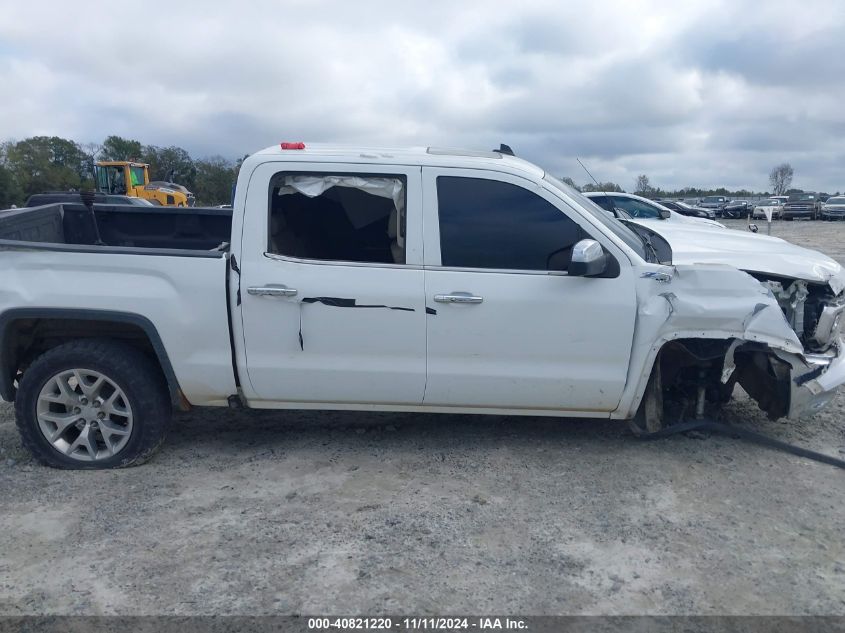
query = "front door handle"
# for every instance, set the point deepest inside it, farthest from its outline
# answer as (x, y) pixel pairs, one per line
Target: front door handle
(458, 297)
(271, 290)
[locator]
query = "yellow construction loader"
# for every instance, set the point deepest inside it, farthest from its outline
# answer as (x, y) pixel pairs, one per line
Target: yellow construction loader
(133, 179)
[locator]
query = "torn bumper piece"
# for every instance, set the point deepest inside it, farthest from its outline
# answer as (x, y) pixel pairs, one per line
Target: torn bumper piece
(815, 379)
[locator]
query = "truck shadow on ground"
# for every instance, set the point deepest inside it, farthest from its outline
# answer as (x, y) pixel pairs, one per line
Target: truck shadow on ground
(244, 432)
(248, 428)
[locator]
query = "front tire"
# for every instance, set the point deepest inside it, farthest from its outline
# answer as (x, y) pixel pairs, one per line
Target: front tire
(650, 416)
(92, 404)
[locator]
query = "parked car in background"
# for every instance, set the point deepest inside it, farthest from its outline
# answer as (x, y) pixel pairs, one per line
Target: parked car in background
(717, 203)
(736, 209)
(688, 210)
(773, 205)
(801, 206)
(57, 197)
(640, 208)
(833, 209)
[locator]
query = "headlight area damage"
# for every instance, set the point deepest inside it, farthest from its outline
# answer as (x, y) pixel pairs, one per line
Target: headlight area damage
(703, 329)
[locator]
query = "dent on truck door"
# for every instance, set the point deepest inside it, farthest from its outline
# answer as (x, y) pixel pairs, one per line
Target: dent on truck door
(507, 327)
(333, 309)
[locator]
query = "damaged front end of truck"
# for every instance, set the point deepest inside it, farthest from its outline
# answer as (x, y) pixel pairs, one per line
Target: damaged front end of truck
(702, 329)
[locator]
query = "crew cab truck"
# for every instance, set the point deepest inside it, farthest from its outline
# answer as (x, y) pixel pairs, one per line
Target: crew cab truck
(376, 279)
(804, 205)
(717, 203)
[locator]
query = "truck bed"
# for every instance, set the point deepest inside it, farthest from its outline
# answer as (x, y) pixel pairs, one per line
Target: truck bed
(69, 226)
(163, 267)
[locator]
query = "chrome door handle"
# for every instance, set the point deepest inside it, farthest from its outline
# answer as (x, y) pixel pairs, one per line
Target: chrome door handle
(271, 291)
(458, 297)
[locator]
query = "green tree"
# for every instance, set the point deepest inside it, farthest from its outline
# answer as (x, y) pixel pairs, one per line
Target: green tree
(602, 186)
(172, 164)
(119, 148)
(46, 163)
(214, 179)
(10, 193)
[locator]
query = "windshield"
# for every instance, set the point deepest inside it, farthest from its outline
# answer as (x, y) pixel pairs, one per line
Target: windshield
(802, 197)
(140, 202)
(713, 199)
(836, 200)
(631, 239)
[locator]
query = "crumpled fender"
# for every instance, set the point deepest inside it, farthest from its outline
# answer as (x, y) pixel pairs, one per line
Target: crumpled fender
(706, 301)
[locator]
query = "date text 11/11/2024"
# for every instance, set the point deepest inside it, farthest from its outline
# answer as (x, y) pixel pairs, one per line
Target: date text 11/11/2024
(431, 623)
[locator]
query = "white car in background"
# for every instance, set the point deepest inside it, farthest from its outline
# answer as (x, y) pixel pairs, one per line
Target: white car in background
(834, 208)
(769, 208)
(808, 286)
(628, 205)
(691, 241)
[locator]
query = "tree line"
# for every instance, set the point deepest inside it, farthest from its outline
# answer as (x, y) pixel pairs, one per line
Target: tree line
(643, 187)
(51, 163)
(780, 181)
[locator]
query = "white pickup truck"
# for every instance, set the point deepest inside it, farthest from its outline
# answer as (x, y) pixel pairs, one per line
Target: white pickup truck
(387, 279)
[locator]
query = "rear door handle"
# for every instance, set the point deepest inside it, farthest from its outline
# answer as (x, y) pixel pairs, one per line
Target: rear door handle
(271, 290)
(458, 297)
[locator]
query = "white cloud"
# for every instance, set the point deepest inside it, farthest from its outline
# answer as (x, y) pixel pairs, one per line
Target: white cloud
(697, 92)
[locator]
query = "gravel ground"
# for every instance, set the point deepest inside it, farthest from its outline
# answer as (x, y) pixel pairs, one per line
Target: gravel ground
(323, 512)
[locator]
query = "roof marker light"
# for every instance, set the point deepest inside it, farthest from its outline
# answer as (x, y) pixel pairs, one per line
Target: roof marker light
(299, 145)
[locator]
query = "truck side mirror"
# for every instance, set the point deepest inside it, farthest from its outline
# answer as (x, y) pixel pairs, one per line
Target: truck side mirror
(588, 259)
(665, 214)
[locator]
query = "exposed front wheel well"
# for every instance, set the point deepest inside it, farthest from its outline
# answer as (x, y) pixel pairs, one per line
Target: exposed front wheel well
(694, 373)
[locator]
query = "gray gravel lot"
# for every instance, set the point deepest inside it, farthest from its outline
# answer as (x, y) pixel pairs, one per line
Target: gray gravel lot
(313, 512)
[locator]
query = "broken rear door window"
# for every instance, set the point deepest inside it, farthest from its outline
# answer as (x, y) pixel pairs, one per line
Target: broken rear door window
(338, 217)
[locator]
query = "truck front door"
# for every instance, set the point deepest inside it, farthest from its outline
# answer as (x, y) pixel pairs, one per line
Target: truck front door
(507, 327)
(332, 292)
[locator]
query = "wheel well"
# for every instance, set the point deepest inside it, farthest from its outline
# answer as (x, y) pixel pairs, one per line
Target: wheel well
(686, 364)
(28, 334)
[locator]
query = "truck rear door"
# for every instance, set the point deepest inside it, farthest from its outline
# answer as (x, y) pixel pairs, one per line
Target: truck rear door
(333, 307)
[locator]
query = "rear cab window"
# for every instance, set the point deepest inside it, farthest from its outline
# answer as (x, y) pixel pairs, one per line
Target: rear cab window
(346, 217)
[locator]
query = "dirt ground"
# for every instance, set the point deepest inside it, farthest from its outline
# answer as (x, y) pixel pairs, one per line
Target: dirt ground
(313, 513)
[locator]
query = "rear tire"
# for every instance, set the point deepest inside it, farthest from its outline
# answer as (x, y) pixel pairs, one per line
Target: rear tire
(93, 404)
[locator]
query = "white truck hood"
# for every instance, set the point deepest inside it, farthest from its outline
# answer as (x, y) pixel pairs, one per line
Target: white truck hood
(677, 218)
(748, 251)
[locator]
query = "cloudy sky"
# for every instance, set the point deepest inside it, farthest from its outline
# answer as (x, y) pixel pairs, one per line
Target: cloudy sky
(692, 92)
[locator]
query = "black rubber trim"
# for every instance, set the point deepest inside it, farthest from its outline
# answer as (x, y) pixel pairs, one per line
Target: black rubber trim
(233, 267)
(7, 389)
